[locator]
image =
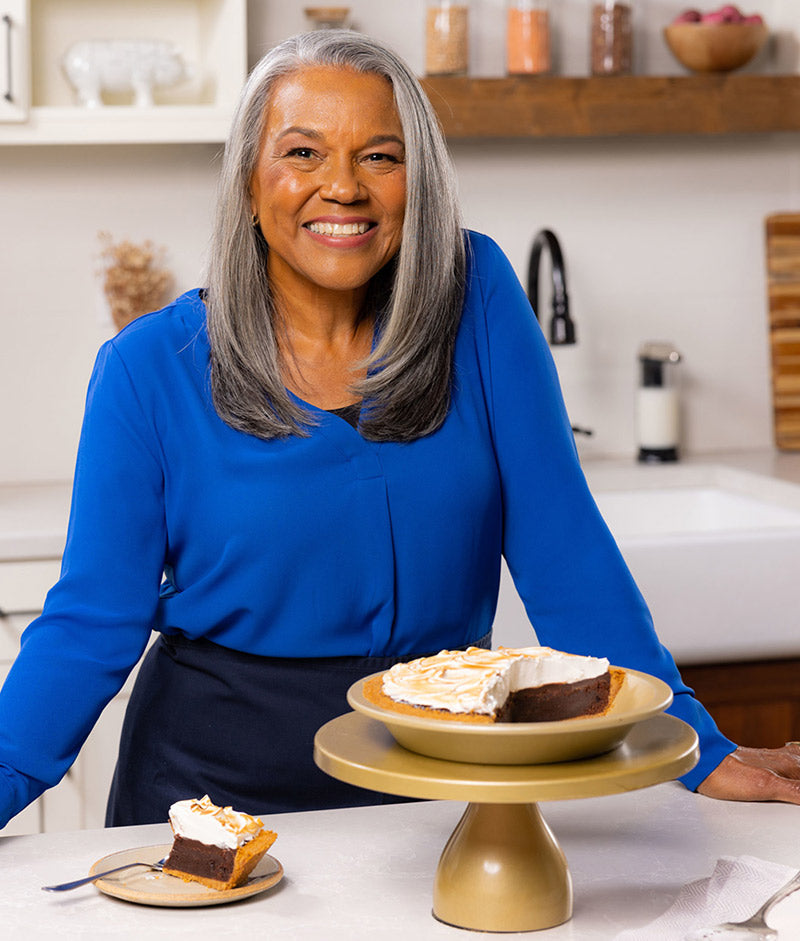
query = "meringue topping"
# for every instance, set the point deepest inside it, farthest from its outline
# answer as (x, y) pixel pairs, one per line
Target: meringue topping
(478, 680)
(199, 819)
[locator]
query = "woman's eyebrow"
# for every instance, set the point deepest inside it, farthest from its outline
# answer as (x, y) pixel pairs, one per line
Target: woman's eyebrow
(304, 131)
(316, 135)
(385, 139)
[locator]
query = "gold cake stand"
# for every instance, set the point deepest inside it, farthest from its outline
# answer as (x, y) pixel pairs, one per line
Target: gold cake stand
(502, 869)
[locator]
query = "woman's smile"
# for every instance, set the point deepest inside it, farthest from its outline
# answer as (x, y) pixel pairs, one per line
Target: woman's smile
(338, 230)
(341, 233)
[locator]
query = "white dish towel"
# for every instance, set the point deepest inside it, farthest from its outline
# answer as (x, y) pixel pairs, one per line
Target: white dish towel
(736, 889)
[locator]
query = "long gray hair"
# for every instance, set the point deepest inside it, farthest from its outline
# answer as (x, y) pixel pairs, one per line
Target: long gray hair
(416, 298)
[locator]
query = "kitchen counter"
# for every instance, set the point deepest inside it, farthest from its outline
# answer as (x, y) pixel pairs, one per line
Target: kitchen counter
(33, 516)
(368, 872)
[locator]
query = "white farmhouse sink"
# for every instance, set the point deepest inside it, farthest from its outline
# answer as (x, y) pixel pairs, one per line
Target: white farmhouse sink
(715, 552)
(683, 511)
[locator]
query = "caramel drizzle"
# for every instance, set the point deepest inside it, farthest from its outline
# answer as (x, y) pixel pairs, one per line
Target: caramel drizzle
(230, 819)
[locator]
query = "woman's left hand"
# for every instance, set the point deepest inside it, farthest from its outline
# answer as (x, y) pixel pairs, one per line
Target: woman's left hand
(757, 774)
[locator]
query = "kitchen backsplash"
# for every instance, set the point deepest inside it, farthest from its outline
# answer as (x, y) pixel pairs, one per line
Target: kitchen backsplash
(663, 239)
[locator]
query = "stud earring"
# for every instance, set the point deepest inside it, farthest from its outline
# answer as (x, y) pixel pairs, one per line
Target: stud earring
(254, 220)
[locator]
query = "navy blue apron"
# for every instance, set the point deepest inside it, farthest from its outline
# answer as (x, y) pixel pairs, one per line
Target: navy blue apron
(204, 719)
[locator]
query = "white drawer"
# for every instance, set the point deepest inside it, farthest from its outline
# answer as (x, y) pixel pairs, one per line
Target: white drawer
(23, 585)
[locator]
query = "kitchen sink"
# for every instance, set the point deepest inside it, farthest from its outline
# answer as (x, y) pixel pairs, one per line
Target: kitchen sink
(676, 511)
(715, 551)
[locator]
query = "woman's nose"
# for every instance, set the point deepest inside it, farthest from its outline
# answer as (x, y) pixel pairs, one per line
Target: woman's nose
(341, 183)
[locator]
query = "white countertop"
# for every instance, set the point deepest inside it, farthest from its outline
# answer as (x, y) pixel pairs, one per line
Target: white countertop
(34, 516)
(368, 872)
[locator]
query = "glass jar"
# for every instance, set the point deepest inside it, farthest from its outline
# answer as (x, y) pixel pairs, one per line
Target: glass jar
(528, 37)
(447, 37)
(327, 17)
(612, 37)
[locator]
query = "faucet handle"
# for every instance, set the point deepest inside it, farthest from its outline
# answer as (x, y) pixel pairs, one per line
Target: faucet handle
(562, 329)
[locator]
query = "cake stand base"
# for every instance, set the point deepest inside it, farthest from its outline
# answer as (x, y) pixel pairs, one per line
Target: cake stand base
(502, 870)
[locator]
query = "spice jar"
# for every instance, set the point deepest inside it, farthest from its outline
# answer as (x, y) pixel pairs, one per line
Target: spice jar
(612, 37)
(528, 32)
(447, 37)
(327, 17)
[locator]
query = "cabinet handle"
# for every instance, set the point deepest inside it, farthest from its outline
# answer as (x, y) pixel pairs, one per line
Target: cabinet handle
(8, 95)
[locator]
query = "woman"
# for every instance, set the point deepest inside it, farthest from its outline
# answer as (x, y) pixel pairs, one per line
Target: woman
(311, 469)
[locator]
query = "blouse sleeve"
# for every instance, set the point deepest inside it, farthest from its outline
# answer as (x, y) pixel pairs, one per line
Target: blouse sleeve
(96, 620)
(571, 577)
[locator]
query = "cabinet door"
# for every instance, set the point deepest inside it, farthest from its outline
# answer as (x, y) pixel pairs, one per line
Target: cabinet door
(11, 628)
(14, 60)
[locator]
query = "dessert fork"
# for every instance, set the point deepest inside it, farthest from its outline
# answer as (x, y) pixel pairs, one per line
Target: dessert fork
(754, 928)
(64, 886)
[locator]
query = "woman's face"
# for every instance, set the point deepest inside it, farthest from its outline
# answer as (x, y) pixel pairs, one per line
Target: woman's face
(329, 187)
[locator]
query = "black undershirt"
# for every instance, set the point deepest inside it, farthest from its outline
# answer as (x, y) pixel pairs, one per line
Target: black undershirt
(349, 413)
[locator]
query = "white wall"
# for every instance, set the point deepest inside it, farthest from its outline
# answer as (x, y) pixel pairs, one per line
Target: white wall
(663, 238)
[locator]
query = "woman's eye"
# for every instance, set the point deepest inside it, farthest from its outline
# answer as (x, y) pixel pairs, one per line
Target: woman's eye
(304, 153)
(382, 158)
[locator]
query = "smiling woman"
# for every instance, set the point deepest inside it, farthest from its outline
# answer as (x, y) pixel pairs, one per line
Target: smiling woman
(284, 548)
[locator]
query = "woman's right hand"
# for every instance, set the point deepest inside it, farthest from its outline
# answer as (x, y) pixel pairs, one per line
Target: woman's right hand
(756, 774)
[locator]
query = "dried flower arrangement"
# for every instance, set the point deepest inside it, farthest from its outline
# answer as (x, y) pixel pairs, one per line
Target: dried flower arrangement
(135, 280)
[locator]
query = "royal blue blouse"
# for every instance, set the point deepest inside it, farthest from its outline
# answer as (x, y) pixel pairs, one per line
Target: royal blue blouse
(325, 545)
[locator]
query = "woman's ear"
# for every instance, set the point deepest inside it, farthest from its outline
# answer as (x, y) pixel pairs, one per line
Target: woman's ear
(254, 220)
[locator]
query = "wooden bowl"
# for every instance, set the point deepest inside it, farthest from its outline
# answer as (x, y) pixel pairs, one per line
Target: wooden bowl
(715, 47)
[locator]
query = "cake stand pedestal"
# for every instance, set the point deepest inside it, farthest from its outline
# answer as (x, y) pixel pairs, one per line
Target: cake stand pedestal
(502, 869)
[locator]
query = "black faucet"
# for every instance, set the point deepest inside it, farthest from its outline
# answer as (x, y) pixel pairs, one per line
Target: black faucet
(562, 327)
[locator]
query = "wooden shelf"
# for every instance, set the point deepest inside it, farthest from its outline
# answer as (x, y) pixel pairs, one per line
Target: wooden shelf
(550, 107)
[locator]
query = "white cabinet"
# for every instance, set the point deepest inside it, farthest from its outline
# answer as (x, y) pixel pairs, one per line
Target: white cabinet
(210, 35)
(33, 520)
(23, 585)
(14, 61)
(11, 627)
(78, 801)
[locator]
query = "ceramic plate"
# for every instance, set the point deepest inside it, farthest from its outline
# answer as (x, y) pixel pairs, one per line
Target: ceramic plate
(147, 887)
(523, 743)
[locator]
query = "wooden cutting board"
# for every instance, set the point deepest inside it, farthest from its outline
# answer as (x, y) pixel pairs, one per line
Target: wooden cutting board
(783, 292)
